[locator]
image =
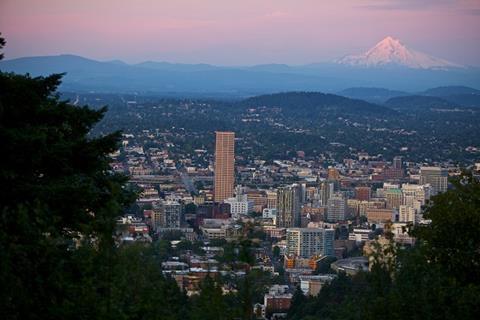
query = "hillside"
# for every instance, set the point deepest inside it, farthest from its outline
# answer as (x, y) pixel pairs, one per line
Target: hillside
(464, 96)
(450, 90)
(313, 103)
(417, 102)
(375, 95)
(466, 100)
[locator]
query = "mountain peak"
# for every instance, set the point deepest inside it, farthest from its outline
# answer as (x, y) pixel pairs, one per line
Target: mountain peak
(389, 43)
(391, 51)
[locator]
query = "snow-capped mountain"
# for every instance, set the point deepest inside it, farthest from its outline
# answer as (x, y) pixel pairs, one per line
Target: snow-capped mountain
(391, 51)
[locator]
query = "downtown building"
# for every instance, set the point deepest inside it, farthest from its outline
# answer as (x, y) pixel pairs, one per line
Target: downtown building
(415, 196)
(406, 214)
(166, 214)
(363, 193)
(271, 199)
(173, 214)
(224, 165)
(336, 208)
(310, 242)
(288, 206)
(393, 198)
(240, 205)
(326, 190)
(435, 176)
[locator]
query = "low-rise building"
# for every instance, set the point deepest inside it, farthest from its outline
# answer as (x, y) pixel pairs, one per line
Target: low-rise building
(277, 300)
(360, 235)
(312, 284)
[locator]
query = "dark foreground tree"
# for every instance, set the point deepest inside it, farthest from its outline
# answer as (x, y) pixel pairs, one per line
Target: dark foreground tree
(58, 205)
(452, 240)
(210, 303)
(2, 44)
(58, 193)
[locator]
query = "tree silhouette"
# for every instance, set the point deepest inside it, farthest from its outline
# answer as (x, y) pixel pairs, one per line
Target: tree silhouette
(2, 44)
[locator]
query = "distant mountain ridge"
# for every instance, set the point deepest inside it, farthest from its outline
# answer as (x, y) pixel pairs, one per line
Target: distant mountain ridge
(84, 75)
(450, 90)
(457, 96)
(167, 66)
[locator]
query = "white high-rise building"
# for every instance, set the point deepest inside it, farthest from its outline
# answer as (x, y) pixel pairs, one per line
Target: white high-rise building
(308, 242)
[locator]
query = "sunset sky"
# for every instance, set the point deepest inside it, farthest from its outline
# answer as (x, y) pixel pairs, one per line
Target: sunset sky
(228, 32)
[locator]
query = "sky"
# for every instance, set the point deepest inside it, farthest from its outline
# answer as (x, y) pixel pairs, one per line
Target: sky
(243, 32)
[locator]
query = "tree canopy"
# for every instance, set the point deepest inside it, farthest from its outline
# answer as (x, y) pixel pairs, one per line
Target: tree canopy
(58, 206)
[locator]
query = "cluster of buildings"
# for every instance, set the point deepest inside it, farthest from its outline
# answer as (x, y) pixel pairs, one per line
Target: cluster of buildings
(309, 211)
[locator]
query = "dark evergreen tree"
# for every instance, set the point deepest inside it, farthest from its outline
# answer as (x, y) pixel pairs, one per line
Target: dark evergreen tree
(298, 301)
(210, 303)
(58, 205)
(58, 194)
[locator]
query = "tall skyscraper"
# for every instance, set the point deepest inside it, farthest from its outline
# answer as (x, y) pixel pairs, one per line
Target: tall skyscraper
(224, 165)
(436, 177)
(288, 206)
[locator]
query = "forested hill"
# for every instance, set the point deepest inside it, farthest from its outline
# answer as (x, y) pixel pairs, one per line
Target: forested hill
(450, 91)
(439, 98)
(421, 103)
(313, 103)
